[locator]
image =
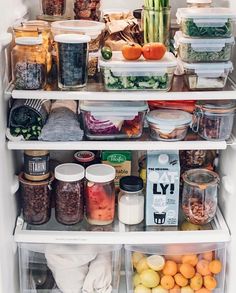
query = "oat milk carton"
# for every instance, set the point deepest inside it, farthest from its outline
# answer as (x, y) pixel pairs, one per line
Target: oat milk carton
(162, 193)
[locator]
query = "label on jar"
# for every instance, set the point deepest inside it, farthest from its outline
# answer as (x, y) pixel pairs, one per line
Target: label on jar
(36, 166)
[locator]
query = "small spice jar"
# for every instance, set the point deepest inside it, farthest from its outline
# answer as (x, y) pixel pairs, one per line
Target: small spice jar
(131, 200)
(36, 165)
(199, 3)
(85, 158)
(53, 7)
(213, 120)
(29, 63)
(199, 198)
(69, 193)
(36, 200)
(72, 60)
(100, 194)
(87, 9)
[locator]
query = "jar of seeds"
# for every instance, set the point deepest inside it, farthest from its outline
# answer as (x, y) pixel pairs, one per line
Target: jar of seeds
(29, 63)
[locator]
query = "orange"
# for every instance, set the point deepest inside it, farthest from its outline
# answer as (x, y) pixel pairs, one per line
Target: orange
(208, 255)
(187, 270)
(178, 267)
(180, 280)
(210, 282)
(167, 282)
(191, 259)
(203, 290)
(170, 268)
(176, 289)
(215, 266)
(202, 267)
(132, 51)
(196, 282)
(154, 51)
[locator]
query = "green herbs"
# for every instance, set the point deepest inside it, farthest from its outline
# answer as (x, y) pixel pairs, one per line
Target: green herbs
(191, 29)
(29, 133)
(136, 82)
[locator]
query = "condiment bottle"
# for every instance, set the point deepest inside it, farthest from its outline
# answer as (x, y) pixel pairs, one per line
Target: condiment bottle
(131, 200)
(199, 3)
(85, 158)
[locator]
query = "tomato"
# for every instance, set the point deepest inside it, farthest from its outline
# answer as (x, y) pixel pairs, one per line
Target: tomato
(132, 51)
(154, 51)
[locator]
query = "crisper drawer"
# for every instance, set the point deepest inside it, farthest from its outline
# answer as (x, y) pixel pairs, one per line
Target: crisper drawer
(172, 268)
(64, 268)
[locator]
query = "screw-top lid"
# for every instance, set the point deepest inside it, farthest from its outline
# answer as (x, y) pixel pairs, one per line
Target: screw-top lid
(131, 183)
(163, 159)
(84, 156)
(69, 172)
(100, 173)
(72, 38)
(29, 41)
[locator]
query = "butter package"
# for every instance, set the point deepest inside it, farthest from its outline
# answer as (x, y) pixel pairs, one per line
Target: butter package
(162, 191)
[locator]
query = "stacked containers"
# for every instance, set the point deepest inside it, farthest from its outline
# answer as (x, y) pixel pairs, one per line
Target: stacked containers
(205, 46)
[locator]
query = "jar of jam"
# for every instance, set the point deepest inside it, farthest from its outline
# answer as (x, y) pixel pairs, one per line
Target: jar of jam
(69, 193)
(199, 198)
(85, 158)
(100, 194)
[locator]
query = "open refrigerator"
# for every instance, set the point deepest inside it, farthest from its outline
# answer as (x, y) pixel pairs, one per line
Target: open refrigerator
(27, 244)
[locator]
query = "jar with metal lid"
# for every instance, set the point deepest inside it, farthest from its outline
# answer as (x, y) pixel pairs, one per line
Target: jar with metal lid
(36, 165)
(131, 200)
(213, 120)
(69, 193)
(53, 7)
(29, 63)
(100, 194)
(199, 3)
(85, 158)
(199, 198)
(36, 200)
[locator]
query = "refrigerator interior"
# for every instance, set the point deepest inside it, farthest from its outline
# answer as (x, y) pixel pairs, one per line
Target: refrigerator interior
(11, 161)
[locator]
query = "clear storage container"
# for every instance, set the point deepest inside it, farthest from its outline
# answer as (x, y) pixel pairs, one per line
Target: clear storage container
(168, 125)
(69, 193)
(69, 267)
(100, 194)
(199, 3)
(213, 120)
(203, 50)
(36, 200)
(113, 119)
(120, 74)
(207, 76)
(206, 22)
(87, 9)
(155, 268)
(199, 197)
(53, 8)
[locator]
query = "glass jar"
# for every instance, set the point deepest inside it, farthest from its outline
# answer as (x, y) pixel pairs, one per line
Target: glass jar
(72, 60)
(213, 120)
(131, 200)
(36, 200)
(53, 7)
(199, 3)
(100, 194)
(69, 193)
(87, 9)
(29, 63)
(199, 198)
(85, 158)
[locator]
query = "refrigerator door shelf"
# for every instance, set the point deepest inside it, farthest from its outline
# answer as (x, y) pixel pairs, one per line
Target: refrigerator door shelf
(118, 233)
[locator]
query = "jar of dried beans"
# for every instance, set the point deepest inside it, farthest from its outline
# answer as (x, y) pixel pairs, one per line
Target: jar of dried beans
(53, 7)
(69, 193)
(87, 9)
(199, 198)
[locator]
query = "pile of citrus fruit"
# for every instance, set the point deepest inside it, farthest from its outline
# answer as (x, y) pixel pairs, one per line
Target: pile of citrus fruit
(175, 274)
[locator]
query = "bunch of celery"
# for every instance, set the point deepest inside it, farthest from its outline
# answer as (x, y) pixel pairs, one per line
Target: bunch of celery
(156, 21)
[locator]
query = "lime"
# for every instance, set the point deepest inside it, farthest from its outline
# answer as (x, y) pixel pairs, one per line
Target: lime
(156, 262)
(106, 53)
(150, 278)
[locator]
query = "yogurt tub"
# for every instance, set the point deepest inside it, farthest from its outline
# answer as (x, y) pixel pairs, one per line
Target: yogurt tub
(168, 125)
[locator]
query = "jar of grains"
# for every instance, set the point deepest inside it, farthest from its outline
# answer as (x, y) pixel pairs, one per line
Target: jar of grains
(53, 7)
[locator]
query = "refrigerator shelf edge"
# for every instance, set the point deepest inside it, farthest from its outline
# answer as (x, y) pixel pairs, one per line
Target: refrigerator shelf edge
(123, 235)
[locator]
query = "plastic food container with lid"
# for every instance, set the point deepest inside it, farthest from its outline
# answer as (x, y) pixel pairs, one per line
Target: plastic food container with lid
(203, 50)
(213, 120)
(69, 193)
(199, 3)
(100, 194)
(199, 197)
(207, 76)
(168, 125)
(113, 119)
(206, 22)
(120, 74)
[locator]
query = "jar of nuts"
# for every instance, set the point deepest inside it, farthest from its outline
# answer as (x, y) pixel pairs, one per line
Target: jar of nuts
(199, 198)
(69, 193)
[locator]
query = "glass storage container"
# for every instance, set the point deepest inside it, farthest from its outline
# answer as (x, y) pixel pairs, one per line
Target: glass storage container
(206, 22)
(203, 50)
(72, 60)
(85, 158)
(69, 193)
(168, 125)
(100, 194)
(36, 200)
(53, 8)
(131, 200)
(213, 120)
(207, 76)
(113, 119)
(120, 74)
(87, 9)
(199, 3)
(199, 196)
(29, 63)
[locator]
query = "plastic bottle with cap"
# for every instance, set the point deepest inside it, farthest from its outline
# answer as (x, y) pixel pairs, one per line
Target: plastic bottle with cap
(163, 159)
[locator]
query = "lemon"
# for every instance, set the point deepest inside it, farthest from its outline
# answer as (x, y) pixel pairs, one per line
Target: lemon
(142, 289)
(187, 289)
(136, 256)
(150, 278)
(186, 226)
(136, 280)
(159, 289)
(142, 265)
(156, 262)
